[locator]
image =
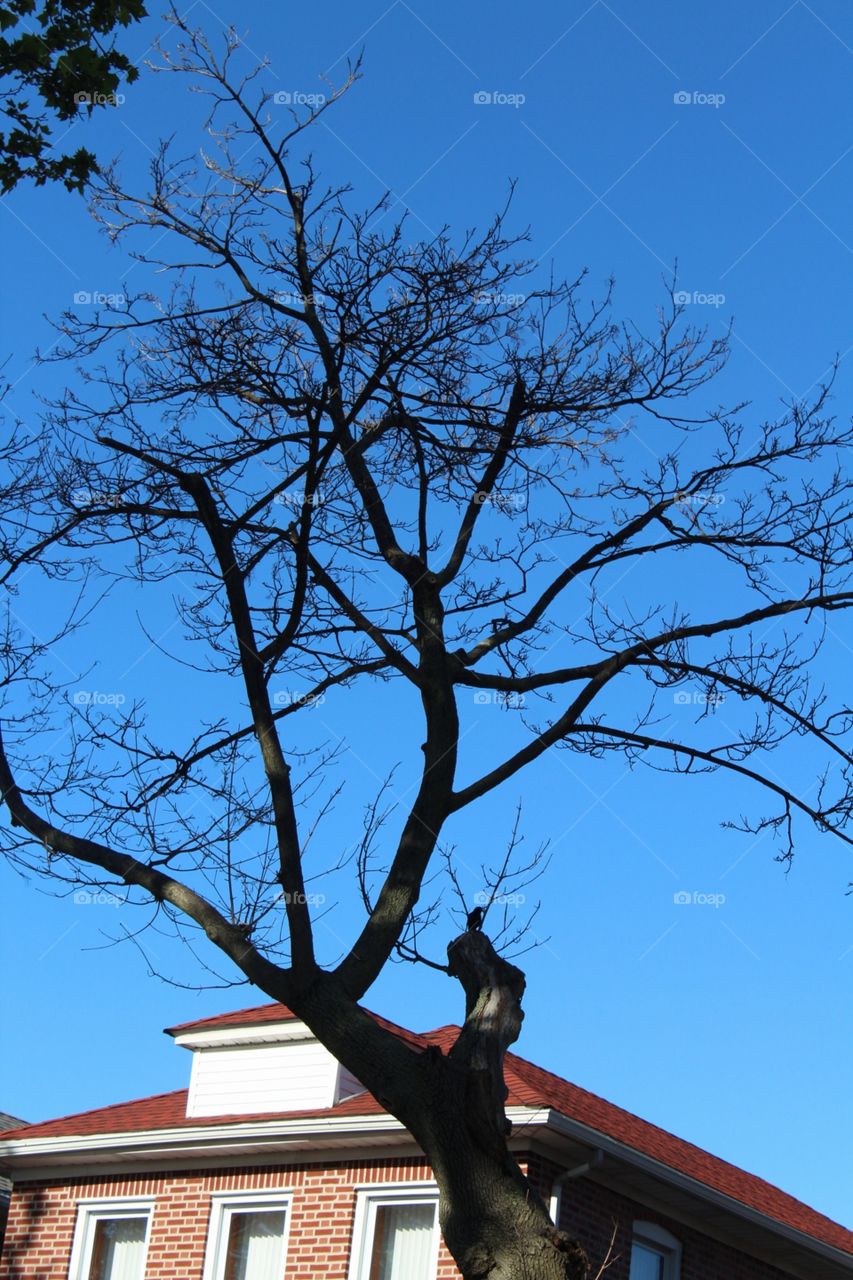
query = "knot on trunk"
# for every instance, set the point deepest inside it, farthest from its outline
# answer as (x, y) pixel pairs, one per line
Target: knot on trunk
(553, 1256)
(487, 979)
(493, 989)
(574, 1255)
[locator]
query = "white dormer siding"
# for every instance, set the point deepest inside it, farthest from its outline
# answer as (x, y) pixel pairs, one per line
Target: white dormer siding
(252, 1070)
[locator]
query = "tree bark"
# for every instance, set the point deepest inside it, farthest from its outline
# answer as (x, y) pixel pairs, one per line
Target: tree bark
(493, 1219)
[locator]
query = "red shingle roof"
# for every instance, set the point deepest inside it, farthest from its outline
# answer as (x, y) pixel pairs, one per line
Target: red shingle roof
(240, 1018)
(528, 1085)
(533, 1085)
(263, 1013)
(169, 1111)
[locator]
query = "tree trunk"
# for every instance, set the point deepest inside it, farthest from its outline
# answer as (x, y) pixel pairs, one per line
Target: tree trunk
(493, 1219)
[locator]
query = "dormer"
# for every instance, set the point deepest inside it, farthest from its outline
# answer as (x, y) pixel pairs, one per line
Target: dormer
(260, 1062)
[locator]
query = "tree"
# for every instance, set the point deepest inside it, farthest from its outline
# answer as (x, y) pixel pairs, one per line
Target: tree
(320, 408)
(58, 60)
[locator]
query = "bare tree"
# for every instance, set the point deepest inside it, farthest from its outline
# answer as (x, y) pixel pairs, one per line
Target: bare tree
(320, 407)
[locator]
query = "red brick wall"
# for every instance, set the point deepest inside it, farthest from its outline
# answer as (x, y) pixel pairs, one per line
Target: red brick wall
(42, 1217)
(589, 1213)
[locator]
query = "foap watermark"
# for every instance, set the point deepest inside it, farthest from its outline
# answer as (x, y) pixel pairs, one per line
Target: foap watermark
(698, 698)
(97, 298)
(96, 698)
(97, 898)
(303, 899)
(484, 899)
(685, 898)
(86, 99)
(297, 499)
(293, 298)
(503, 500)
(497, 98)
(696, 298)
(297, 98)
(487, 299)
(95, 498)
(291, 698)
(507, 699)
(696, 98)
(702, 498)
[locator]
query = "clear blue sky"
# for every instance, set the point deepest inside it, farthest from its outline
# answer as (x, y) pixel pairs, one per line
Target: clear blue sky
(729, 1024)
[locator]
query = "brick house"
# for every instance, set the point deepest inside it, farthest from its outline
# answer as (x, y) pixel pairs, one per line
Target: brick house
(6, 1122)
(275, 1164)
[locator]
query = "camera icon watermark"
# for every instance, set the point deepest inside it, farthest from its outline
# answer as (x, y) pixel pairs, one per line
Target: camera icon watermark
(509, 500)
(296, 98)
(85, 99)
(483, 899)
(297, 499)
(684, 898)
(485, 298)
(497, 98)
(290, 298)
(97, 298)
(291, 698)
(696, 298)
(96, 898)
(95, 498)
(698, 698)
(684, 98)
(508, 699)
(702, 498)
(294, 298)
(96, 698)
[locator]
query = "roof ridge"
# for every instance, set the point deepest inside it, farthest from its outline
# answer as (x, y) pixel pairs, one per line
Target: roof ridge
(233, 1013)
(261, 1013)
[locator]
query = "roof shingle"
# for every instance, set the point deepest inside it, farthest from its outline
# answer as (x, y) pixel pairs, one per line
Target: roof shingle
(528, 1085)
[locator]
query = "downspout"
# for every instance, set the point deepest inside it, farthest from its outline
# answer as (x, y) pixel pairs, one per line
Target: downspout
(595, 1161)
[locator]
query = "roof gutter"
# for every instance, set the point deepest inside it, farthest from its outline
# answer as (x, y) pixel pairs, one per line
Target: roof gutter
(23, 1152)
(665, 1173)
(17, 1155)
(595, 1161)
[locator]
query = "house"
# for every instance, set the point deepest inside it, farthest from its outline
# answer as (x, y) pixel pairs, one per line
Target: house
(6, 1122)
(275, 1163)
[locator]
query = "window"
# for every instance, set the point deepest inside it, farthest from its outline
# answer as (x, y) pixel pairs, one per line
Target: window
(110, 1239)
(647, 1263)
(247, 1239)
(396, 1234)
(655, 1253)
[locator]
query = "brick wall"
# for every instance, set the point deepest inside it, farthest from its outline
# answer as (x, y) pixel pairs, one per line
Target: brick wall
(589, 1213)
(42, 1218)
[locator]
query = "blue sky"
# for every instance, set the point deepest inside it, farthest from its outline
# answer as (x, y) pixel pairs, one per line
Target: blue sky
(720, 137)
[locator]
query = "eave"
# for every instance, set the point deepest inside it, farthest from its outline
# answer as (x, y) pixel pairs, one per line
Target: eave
(644, 1179)
(567, 1142)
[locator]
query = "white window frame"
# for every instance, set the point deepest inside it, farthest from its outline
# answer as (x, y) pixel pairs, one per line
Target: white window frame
(90, 1213)
(379, 1195)
(658, 1239)
(223, 1206)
